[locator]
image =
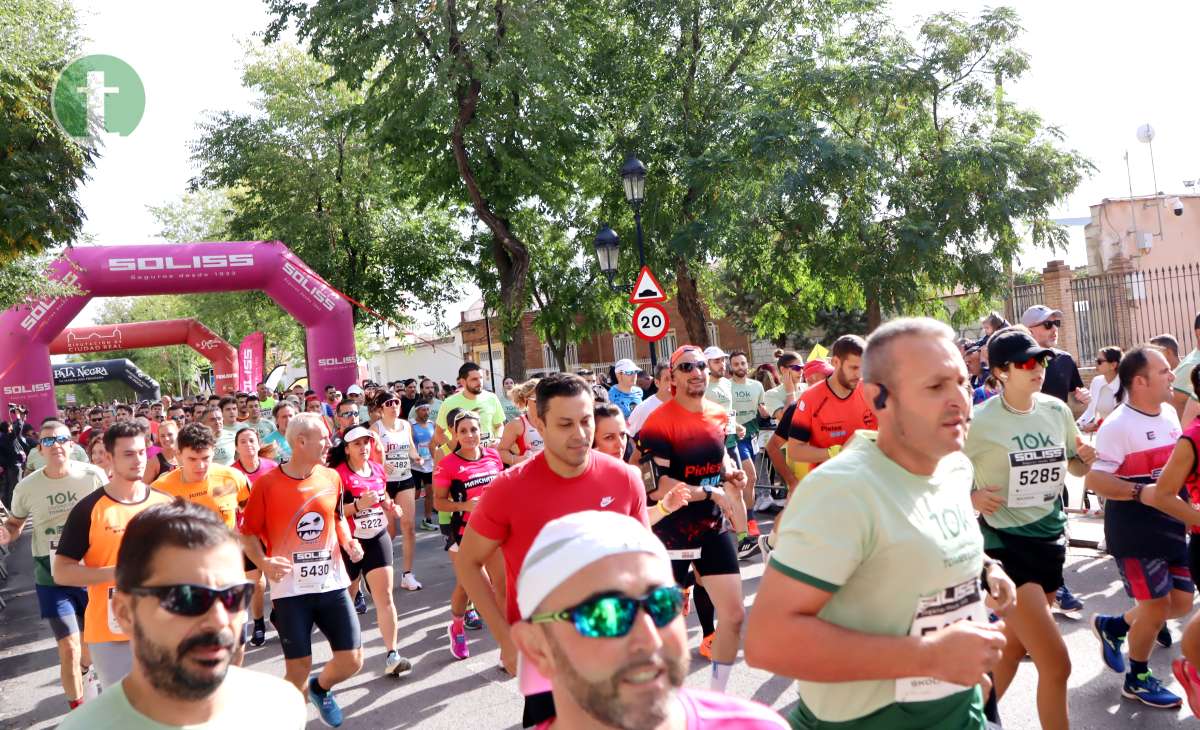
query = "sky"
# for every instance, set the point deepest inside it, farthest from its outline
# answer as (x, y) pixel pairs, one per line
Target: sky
(1099, 70)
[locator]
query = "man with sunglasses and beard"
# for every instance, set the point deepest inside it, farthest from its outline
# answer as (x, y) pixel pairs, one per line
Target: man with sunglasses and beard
(685, 442)
(602, 619)
(181, 596)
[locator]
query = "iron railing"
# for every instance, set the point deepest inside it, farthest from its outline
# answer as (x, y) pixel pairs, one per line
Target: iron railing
(1127, 309)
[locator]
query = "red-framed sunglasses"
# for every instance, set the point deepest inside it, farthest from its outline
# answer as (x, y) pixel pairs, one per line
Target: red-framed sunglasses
(1033, 362)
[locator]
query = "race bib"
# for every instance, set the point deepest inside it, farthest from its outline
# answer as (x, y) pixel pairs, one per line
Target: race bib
(1035, 477)
(963, 602)
(113, 626)
(369, 522)
(312, 570)
(693, 554)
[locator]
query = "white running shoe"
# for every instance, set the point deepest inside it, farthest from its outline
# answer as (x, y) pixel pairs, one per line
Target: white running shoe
(396, 665)
(91, 684)
(409, 583)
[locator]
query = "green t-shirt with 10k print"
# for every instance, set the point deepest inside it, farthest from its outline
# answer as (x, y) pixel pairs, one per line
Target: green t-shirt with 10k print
(901, 555)
(46, 503)
(1026, 456)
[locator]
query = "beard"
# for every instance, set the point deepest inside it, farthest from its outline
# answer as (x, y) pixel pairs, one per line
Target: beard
(602, 700)
(474, 389)
(166, 671)
(845, 381)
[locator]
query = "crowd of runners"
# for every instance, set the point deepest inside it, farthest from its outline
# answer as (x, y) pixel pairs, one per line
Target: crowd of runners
(916, 561)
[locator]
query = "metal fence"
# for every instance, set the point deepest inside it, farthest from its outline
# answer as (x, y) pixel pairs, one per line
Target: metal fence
(1023, 297)
(1126, 309)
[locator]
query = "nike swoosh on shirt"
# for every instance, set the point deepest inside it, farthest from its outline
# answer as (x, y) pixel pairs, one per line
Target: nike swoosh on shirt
(605, 501)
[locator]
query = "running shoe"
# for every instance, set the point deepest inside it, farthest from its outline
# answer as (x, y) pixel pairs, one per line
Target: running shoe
(764, 503)
(471, 620)
(1146, 688)
(1066, 601)
(91, 684)
(428, 525)
(327, 707)
(1187, 676)
(458, 642)
(396, 665)
(1164, 637)
(409, 582)
(747, 548)
(360, 603)
(706, 646)
(259, 637)
(752, 528)
(1110, 646)
(764, 544)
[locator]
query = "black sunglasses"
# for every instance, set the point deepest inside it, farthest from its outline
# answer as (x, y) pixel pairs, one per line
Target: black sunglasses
(190, 600)
(391, 402)
(1052, 323)
(611, 615)
(687, 367)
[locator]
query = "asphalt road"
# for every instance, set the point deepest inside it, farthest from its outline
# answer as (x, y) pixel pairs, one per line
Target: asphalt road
(445, 693)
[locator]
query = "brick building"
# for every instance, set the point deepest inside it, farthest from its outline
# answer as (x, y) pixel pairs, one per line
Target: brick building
(600, 350)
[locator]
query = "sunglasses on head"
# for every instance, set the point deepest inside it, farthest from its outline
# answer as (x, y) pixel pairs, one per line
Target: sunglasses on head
(465, 414)
(1052, 323)
(192, 600)
(687, 367)
(611, 616)
(1033, 362)
(49, 441)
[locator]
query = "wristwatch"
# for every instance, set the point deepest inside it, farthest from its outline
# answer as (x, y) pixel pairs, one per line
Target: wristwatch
(708, 492)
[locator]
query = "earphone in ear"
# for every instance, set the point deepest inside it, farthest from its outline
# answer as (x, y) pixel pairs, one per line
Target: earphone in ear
(881, 399)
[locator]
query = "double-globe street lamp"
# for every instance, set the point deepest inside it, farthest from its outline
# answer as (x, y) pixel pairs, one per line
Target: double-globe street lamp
(608, 244)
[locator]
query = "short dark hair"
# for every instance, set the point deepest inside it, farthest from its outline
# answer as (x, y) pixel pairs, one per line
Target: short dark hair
(786, 358)
(467, 368)
(124, 407)
(607, 410)
(280, 406)
(847, 345)
(735, 353)
(1133, 364)
(1196, 323)
(558, 385)
(661, 367)
(225, 401)
(122, 430)
(178, 523)
(243, 430)
(195, 436)
(1166, 342)
(251, 396)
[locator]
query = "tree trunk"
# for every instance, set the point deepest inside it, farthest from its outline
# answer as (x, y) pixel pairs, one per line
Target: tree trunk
(874, 316)
(513, 280)
(690, 307)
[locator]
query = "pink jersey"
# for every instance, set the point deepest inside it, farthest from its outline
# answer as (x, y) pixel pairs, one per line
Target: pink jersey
(716, 711)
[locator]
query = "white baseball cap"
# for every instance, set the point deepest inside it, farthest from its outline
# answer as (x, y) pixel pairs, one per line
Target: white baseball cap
(1037, 314)
(571, 543)
(714, 353)
(355, 434)
(354, 389)
(626, 365)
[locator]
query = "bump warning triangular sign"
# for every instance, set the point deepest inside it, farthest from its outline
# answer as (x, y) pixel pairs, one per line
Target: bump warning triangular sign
(646, 289)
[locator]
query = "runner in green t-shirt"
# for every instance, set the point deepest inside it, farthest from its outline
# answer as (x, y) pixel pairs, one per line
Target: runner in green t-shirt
(474, 398)
(876, 572)
(748, 405)
(1022, 445)
(46, 497)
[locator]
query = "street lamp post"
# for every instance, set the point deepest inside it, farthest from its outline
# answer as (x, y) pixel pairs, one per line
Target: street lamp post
(608, 244)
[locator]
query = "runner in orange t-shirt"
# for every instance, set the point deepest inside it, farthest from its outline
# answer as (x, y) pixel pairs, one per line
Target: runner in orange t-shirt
(292, 528)
(829, 413)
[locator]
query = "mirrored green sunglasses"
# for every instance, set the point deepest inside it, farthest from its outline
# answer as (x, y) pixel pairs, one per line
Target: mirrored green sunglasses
(611, 615)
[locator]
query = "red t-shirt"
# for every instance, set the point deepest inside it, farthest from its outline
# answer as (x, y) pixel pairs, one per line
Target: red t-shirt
(524, 498)
(823, 419)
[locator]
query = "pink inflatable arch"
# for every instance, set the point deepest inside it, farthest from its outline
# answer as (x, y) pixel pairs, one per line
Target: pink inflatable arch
(26, 331)
(137, 335)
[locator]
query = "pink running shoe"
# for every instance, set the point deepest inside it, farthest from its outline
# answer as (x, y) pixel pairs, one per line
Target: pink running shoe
(458, 642)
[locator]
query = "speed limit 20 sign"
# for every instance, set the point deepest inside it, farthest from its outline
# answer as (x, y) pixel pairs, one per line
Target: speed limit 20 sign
(650, 322)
